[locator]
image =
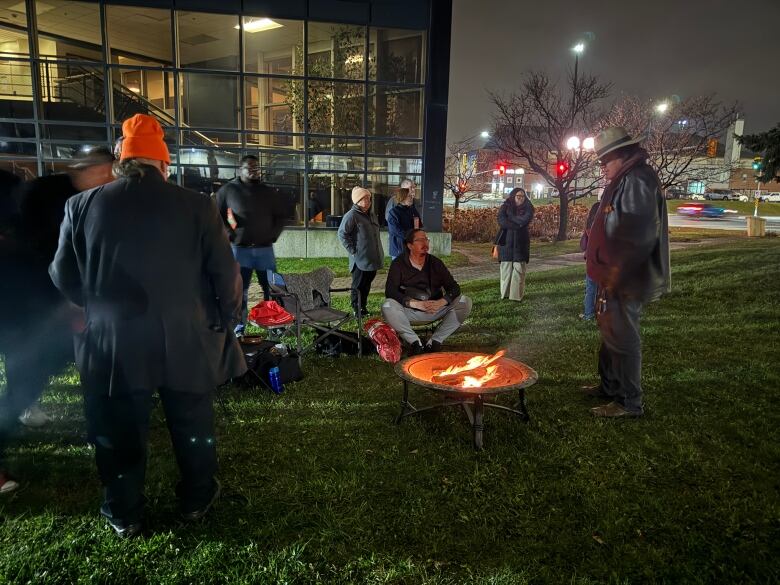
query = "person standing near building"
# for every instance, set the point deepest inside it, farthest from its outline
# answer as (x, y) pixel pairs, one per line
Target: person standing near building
(514, 215)
(151, 266)
(405, 184)
(254, 214)
(628, 258)
(402, 218)
(359, 234)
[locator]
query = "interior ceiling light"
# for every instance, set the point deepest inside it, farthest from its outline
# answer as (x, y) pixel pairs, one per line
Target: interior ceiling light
(259, 25)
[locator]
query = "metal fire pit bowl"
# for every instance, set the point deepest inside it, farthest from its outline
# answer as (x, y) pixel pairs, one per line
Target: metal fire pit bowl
(512, 376)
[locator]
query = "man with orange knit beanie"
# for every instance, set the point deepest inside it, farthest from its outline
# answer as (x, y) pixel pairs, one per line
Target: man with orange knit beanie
(151, 265)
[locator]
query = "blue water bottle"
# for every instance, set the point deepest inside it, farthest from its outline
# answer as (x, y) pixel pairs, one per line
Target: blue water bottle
(276, 380)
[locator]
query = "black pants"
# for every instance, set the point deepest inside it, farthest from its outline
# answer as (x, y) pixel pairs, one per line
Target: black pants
(361, 285)
(33, 354)
(620, 355)
(121, 428)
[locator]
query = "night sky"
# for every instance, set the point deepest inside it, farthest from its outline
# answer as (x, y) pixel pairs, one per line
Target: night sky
(653, 49)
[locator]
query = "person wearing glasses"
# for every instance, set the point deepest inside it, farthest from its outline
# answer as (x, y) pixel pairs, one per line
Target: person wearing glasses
(420, 289)
(627, 256)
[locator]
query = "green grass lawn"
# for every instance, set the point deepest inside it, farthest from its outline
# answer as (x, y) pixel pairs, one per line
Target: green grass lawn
(340, 266)
(322, 487)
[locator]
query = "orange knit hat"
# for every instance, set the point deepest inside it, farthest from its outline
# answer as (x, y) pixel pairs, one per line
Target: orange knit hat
(143, 138)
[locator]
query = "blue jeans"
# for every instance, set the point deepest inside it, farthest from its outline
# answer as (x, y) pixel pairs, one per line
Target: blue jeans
(259, 260)
(590, 298)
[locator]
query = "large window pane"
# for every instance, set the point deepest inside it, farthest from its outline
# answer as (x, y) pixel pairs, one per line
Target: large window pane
(72, 92)
(275, 141)
(69, 30)
(290, 185)
(395, 147)
(95, 134)
(139, 91)
(15, 84)
(335, 144)
(336, 51)
(395, 111)
(403, 166)
(205, 178)
(273, 46)
(139, 36)
(278, 159)
(209, 101)
(326, 162)
(208, 41)
(333, 192)
(397, 55)
(270, 104)
(13, 33)
(335, 107)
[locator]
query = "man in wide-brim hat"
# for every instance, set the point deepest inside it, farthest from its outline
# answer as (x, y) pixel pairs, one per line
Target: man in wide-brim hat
(628, 257)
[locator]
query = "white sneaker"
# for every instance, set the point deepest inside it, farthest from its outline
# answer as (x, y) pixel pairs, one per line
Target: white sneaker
(7, 485)
(34, 417)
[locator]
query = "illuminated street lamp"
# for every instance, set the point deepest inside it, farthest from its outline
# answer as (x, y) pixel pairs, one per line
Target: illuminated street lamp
(589, 143)
(573, 143)
(485, 134)
(662, 107)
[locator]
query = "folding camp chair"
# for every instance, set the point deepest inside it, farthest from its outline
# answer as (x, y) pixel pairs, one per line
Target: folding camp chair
(307, 296)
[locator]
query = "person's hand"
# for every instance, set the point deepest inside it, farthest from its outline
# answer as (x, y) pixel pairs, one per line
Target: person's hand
(434, 306)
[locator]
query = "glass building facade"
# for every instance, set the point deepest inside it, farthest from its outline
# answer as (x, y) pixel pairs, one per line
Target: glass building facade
(328, 94)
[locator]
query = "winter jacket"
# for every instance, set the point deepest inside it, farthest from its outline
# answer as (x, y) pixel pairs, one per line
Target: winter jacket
(628, 245)
(434, 278)
(514, 219)
(359, 234)
(399, 221)
(151, 265)
(259, 210)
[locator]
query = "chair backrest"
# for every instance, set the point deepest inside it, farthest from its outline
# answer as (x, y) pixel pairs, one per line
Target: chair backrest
(311, 288)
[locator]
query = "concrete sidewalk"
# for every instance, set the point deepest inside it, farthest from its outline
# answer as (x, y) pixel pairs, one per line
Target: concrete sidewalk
(486, 268)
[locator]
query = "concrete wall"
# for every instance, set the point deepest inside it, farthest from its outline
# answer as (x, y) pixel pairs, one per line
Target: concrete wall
(324, 243)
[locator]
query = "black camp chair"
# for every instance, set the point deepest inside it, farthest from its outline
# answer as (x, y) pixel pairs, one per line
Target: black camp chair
(307, 297)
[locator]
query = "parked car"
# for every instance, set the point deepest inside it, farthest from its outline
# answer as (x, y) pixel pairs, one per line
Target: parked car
(675, 193)
(706, 210)
(744, 198)
(720, 194)
(697, 197)
(773, 197)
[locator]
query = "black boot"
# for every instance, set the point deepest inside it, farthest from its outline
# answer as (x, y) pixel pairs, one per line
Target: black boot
(416, 348)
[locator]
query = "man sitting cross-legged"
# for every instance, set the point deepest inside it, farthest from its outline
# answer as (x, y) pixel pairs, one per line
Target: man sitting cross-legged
(421, 290)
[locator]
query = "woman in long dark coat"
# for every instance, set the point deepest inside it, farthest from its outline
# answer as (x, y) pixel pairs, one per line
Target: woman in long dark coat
(514, 216)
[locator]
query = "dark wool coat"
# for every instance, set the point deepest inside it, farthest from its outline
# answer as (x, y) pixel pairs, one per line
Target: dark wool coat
(399, 221)
(515, 219)
(359, 234)
(151, 265)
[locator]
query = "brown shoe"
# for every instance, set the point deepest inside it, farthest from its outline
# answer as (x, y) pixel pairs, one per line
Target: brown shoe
(594, 391)
(614, 410)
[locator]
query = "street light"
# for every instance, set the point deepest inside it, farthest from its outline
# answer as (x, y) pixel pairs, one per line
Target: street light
(573, 143)
(662, 107)
(485, 134)
(589, 143)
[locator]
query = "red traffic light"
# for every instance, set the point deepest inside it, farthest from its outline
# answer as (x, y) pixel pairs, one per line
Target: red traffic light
(501, 169)
(561, 168)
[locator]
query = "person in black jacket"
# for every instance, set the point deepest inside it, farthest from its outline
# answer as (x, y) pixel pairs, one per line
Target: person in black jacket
(420, 289)
(628, 258)
(514, 216)
(254, 215)
(151, 266)
(402, 218)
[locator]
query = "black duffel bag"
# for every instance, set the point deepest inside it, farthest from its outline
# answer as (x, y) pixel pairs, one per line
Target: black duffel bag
(262, 355)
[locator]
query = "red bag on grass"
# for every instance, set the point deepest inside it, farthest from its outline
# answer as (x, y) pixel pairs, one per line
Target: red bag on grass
(388, 346)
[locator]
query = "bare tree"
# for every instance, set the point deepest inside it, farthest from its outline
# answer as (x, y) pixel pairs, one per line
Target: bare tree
(462, 174)
(681, 137)
(533, 126)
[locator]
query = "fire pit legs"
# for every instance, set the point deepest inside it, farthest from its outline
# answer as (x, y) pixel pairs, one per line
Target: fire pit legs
(521, 404)
(406, 407)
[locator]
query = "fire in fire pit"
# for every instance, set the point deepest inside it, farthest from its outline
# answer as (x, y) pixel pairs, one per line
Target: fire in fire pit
(465, 379)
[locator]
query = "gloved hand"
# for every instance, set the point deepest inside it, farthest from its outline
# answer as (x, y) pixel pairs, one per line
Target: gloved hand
(388, 346)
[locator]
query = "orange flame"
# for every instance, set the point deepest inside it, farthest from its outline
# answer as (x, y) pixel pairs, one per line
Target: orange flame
(451, 375)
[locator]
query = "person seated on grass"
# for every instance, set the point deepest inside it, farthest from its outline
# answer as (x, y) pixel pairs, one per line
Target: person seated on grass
(419, 290)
